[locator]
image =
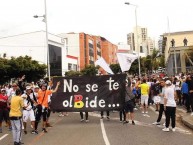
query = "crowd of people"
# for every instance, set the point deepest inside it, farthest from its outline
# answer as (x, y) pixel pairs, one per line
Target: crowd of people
(22, 104)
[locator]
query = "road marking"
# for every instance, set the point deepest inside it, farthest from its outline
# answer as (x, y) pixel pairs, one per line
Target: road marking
(104, 133)
(3, 136)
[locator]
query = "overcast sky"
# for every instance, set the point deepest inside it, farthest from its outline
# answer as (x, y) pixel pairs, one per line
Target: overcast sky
(111, 19)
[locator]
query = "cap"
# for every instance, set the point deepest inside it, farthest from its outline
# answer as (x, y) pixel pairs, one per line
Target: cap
(3, 89)
(28, 88)
(168, 82)
(36, 87)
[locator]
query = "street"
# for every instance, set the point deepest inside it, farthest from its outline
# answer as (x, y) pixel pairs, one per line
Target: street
(68, 130)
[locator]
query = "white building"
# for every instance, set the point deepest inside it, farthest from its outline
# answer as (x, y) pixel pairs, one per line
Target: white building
(34, 44)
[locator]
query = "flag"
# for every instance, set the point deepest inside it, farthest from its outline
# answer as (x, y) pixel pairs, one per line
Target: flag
(102, 63)
(125, 60)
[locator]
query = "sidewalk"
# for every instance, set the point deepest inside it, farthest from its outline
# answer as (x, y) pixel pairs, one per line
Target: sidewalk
(186, 118)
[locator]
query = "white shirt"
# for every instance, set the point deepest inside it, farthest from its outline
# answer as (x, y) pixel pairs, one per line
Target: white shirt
(162, 97)
(169, 95)
(26, 102)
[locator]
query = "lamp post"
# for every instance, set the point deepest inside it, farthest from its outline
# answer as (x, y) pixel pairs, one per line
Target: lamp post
(48, 55)
(137, 45)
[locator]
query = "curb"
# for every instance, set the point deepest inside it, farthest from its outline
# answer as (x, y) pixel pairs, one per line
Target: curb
(188, 121)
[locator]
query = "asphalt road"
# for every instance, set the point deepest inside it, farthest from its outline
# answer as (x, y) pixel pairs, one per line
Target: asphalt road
(69, 130)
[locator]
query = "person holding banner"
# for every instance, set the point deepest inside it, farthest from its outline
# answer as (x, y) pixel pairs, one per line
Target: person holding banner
(129, 104)
(102, 113)
(86, 117)
(43, 104)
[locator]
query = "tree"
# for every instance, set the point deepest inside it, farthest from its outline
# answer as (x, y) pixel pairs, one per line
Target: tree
(90, 70)
(72, 73)
(17, 67)
(115, 68)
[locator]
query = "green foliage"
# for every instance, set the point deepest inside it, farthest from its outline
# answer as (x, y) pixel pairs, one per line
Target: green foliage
(90, 70)
(115, 68)
(72, 73)
(134, 67)
(16, 67)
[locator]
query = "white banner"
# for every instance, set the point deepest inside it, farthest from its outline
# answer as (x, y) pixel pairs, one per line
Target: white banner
(125, 60)
(102, 63)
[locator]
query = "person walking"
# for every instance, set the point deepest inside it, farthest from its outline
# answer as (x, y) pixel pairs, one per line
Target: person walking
(144, 96)
(170, 106)
(161, 103)
(16, 116)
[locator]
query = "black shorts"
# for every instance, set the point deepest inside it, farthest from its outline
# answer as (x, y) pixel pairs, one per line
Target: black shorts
(4, 114)
(129, 106)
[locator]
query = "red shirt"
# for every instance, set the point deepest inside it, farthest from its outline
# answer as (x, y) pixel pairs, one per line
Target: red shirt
(3, 101)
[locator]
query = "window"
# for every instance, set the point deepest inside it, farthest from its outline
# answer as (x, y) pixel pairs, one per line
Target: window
(55, 60)
(69, 66)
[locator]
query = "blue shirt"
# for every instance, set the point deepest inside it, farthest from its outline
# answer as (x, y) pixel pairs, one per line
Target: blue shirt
(184, 88)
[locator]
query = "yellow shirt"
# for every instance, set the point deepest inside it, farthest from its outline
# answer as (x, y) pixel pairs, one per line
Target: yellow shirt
(16, 106)
(144, 89)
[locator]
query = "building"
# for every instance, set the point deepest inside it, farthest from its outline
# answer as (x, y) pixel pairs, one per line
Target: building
(71, 51)
(34, 44)
(142, 41)
(176, 55)
(88, 48)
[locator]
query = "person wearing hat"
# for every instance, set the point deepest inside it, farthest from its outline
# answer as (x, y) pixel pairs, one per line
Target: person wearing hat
(43, 104)
(169, 106)
(4, 111)
(28, 111)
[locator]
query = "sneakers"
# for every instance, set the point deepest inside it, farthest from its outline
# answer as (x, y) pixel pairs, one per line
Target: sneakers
(87, 121)
(174, 129)
(166, 129)
(156, 123)
(44, 130)
(61, 115)
(146, 112)
(102, 117)
(125, 122)
(81, 120)
(142, 112)
(135, 109)
(133, 123)
(34, 132)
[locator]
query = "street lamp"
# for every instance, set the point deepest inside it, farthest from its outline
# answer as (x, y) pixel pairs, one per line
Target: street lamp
(48, 55)
(137, 45)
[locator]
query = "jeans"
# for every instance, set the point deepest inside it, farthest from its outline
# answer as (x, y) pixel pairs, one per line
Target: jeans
(16, 126)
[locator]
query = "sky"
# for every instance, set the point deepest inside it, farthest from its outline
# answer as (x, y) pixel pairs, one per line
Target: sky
(111, 19)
